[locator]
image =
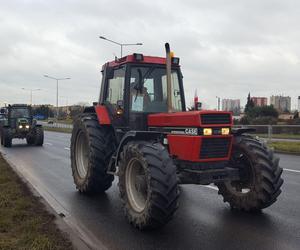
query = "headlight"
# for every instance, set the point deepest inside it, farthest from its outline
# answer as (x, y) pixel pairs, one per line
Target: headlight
(20, 126)
(27, 126)
(225, 131)
(207, 131)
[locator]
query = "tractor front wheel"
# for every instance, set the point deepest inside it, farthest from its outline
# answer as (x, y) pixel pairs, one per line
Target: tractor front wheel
(39, 136)
(92, 146)
(7, 137)
(260, 176)
(148, 184)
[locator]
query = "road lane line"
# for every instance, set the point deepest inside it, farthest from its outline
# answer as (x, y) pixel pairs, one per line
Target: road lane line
(291, 170)
(48, 143)
(67, 148)
(211, 187)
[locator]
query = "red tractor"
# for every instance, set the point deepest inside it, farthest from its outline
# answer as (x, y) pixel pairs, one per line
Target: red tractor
(141, 132)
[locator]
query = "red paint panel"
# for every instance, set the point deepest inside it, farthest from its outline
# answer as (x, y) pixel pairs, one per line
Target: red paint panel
(189, 119)
(187, 148)
(131, 59)
(103, 115)
(183, 119)
(184, 147)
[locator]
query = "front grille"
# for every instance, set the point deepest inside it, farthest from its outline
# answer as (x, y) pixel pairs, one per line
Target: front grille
(215, 119)
(214, 148)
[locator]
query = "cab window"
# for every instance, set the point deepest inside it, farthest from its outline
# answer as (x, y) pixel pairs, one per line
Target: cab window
(148, 90)
(115, 90)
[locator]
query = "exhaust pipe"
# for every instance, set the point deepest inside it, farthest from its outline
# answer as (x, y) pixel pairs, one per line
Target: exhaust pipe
(169, 81)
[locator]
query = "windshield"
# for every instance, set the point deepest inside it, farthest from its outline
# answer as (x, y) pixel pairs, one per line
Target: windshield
(148, 90)
(19, 113)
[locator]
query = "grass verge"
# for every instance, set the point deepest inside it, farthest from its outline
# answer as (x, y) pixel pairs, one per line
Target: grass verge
(280, 136)
(286, 147)
(24, 221)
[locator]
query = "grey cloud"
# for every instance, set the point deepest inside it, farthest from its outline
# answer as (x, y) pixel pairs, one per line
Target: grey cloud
(227, 48)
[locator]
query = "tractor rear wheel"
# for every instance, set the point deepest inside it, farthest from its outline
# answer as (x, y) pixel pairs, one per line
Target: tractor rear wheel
(7, 137)
(92, 146)
(39, 136)
(148, 184)
(260, 173)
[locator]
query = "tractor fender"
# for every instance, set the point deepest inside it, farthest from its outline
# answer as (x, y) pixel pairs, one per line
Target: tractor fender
(136, 136)
(101, 112)
(90, 109)
(240, 131)
(103, 115)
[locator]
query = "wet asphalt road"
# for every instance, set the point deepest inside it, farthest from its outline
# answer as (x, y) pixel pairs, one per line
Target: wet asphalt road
(202, 221)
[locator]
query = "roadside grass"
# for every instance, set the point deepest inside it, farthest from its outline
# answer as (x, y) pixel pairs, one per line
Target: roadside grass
(286, 146)
(66, 121)
(62, 130)
(280, 136)
(24, 221)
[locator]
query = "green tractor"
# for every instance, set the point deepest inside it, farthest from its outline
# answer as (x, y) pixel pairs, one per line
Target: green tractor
(18, 123)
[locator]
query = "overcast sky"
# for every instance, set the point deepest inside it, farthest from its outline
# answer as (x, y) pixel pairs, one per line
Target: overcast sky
(227, 48)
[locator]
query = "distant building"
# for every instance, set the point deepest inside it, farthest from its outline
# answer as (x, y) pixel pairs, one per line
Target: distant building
(260, 101)
(232, 105)
(281, 103)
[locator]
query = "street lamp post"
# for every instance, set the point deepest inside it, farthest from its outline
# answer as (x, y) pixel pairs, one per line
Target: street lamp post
(218, 102)
(120, 44)
(57, 79)
(31, 90)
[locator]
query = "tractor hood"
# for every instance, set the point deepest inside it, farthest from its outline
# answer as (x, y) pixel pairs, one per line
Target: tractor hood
(191, 119)
(22, 121)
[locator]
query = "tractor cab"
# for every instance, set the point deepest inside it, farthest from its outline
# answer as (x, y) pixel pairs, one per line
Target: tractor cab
(135, 86)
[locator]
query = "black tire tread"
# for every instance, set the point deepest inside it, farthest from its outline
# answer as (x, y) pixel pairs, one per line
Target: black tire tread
(39, 136)
(268, 177)
(164, 193)
(7, 137)
(102, 146)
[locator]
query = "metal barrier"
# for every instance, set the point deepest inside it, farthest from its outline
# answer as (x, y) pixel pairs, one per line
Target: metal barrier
(275, 132)
(270, 132)
(56, 125)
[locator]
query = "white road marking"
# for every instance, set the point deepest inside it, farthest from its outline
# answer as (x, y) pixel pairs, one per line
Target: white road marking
(48, 143)
(211, 187)
(67, 148)
(291, 170)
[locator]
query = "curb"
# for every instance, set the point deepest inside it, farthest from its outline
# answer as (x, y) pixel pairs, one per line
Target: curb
(80, 238)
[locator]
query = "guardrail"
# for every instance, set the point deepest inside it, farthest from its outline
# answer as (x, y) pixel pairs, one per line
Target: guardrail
(270, 132)
(275, 132)
(56, 125)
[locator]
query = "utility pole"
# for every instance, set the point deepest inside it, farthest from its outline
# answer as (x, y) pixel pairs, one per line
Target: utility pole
(218, 102)
(31, 90)
(57, 79)
(120, 44)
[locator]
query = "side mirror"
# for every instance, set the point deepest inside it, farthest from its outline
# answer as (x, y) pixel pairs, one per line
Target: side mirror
(120, 107)
(120, 103)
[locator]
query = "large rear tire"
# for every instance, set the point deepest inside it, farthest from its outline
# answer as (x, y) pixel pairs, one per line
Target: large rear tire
(260, 181)
(7, 137)
(148, 184)
(92, 146)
